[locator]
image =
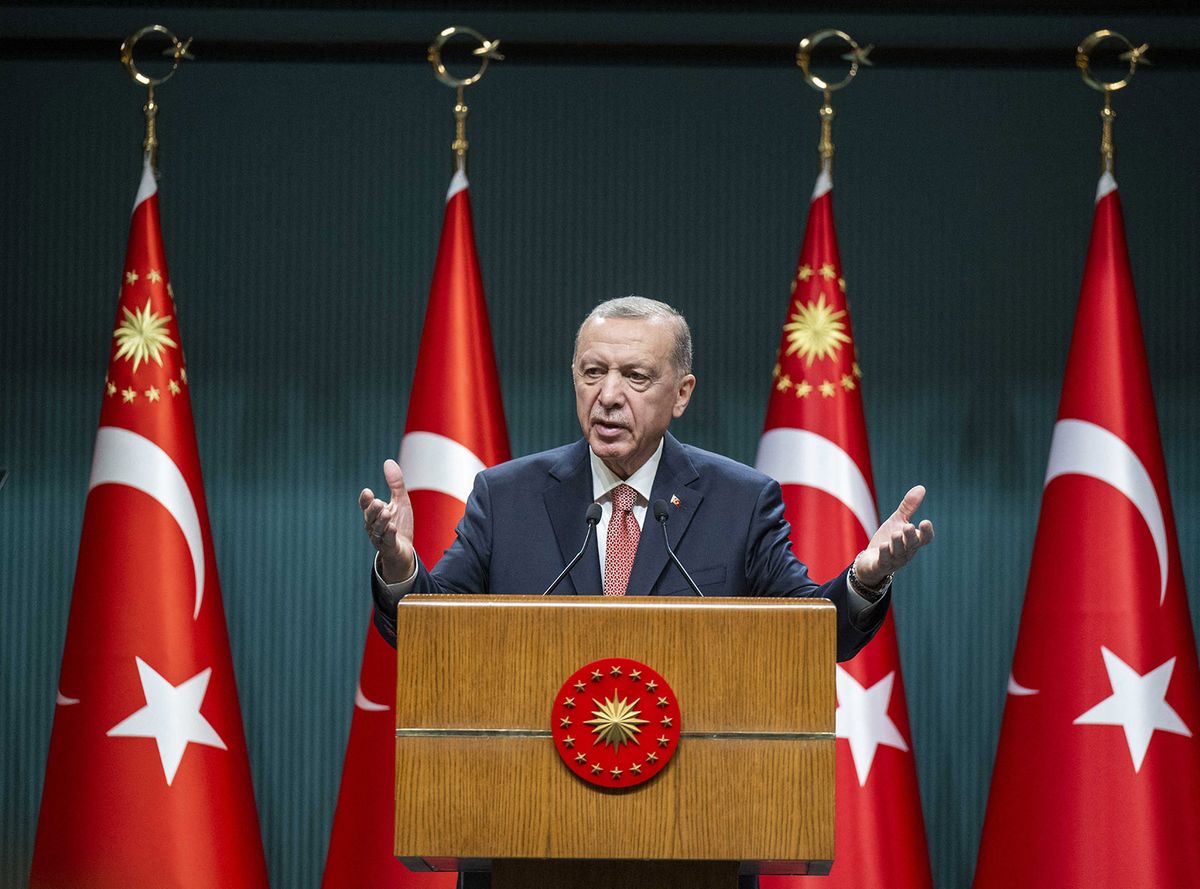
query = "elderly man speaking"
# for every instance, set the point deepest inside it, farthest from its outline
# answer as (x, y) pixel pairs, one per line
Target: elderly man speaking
(525, 519)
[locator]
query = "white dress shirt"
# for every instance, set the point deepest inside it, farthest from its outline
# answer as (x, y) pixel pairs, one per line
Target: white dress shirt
(603, 482)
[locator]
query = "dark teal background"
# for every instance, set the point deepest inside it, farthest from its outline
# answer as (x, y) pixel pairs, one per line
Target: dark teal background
(301, 207)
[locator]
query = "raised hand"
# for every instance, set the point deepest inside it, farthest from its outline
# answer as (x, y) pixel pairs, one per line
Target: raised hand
(390, 526)
(896, 542)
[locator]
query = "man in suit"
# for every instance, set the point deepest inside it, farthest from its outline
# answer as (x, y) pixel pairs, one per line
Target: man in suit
(524, 519)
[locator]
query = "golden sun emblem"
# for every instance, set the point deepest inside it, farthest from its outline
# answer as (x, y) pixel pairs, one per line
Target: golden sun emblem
(815, 330)
(142, 336)
(616, 721)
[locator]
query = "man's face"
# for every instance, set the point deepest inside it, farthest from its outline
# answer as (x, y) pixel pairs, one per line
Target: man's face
(626, 389)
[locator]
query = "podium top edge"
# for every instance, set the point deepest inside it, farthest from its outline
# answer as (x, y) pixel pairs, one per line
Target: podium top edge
(747, 603)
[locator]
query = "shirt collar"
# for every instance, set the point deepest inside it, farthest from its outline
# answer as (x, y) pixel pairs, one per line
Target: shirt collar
(642, 481)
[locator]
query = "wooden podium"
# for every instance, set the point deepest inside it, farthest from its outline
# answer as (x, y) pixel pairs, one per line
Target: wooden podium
(480, 786)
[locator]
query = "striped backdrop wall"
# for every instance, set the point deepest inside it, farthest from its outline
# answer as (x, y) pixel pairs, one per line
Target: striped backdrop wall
(301, 204)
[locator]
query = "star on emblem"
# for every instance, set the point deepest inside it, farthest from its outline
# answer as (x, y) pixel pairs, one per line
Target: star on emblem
(616, 721)
(615, 671)
(635, 675)
(152, 394)
(597, 675)
(663, 740)
(131, 277)
(615, 772)
(171, 717)
(815, 330)
(636, 768)
(581, 759)
(565, 722)
(173, 386)
(652, 758)
(142, 336)
(862, 719)
(154, 277)
(651, 685)
(663, 702)
(128, 395)
(1138, 704)
(580, 685)
(597, 769)
(802, 389)
(569, 703)
(805, 272)
(827, 389)
(110, 389)
(847, 382)
(666, 722)
(568, 742)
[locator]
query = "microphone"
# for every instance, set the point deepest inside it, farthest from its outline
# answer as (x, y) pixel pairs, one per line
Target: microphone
(592, 517)
(661, 514)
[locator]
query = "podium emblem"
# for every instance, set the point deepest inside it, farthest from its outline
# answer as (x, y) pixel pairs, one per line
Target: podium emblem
(615, 723)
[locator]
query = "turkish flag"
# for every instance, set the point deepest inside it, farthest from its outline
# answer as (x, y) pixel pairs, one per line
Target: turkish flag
(455, 428)
(1097, 776)
(815, 445)
(148, 779)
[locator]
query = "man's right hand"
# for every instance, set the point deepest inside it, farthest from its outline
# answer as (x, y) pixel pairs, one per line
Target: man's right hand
(390, 526)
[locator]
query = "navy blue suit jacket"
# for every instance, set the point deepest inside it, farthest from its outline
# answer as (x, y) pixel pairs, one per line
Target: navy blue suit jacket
(524, 522)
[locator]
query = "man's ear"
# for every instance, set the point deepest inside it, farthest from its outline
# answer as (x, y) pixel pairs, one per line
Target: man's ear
(684, 394)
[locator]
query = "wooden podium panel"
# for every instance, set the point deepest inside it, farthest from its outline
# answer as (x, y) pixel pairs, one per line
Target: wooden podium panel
(478, 778)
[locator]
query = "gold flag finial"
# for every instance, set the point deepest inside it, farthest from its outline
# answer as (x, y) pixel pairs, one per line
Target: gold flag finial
(177, 50)
(487, 50)
(857, 55)
(1134, 55)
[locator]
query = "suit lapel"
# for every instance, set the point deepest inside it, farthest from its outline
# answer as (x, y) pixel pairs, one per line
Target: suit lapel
(675, 474)
(566, 498)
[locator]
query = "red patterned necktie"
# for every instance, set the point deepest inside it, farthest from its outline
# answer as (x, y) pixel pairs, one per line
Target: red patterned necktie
(621, 546)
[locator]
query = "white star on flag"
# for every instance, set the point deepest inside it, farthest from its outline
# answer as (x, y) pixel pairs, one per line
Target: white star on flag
(1138, 704)
(171, 717)
(862, 719)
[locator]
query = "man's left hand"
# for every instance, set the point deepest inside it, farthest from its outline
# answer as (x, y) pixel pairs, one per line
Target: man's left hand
(895, 543)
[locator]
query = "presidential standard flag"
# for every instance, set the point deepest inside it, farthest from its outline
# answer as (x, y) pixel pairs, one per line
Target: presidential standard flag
(1097, 775)
(455, 428)
(148, 779)
(815, 445)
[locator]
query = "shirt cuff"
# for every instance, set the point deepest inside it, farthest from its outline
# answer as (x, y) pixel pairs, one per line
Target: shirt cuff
(396, 591)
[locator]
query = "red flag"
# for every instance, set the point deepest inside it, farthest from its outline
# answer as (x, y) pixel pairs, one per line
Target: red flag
(1097, 776)
(148, 779)
(455, 428)
(815, 445)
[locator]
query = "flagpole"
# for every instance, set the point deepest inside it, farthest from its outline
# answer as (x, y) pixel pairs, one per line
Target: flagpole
(856, 56)
(1083, 60)
(486, 51)
(178, 50)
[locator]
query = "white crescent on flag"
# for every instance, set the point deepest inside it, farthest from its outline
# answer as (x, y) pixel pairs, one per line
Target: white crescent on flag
(362, 702)
(1082, 448)
(800, 457)
(433, 462)
(123, 457)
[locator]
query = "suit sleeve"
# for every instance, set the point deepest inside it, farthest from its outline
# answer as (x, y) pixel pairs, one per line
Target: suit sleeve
(772, 569)
(463, 569)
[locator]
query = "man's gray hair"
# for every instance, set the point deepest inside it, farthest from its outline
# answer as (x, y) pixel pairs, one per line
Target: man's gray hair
(639, 307)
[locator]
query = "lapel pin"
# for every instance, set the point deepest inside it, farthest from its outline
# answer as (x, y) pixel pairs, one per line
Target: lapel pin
(675, 501)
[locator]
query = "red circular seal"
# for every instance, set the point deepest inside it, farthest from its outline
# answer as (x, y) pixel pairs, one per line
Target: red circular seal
(615, 723)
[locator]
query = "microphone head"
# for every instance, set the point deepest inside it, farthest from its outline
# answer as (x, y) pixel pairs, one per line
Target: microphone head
(660, 511)
(594, 511)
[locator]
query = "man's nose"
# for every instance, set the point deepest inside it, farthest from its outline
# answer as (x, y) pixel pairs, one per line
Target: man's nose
(612, 390)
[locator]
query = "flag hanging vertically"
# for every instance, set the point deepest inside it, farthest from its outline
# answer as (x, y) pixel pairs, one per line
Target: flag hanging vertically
(455, 428)
(815, 445)
(1097, 774)
(148, 778)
